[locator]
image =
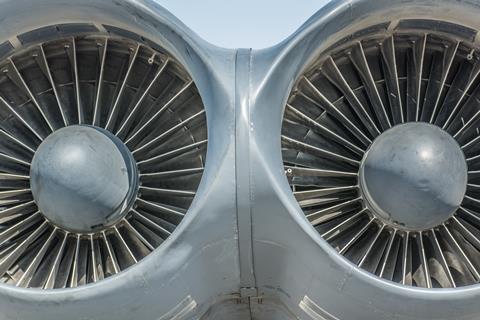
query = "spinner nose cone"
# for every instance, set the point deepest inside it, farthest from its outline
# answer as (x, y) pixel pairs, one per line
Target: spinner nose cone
(414, 176)
(83, 178)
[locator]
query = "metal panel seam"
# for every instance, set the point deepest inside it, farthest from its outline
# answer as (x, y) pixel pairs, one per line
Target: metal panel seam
(243, 171)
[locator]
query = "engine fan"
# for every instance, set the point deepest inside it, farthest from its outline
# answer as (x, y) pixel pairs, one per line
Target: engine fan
(103, 149)
(380, 148)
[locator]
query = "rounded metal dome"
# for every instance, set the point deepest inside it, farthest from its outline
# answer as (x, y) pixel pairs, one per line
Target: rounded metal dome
(68, 178)
(413, 176)
(379, 145)
(103, 147)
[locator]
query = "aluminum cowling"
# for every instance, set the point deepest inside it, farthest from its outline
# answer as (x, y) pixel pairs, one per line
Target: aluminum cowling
(133, 293)
(312, 278)
(244, 249)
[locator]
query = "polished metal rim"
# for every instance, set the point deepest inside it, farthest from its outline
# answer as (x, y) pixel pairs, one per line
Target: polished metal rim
(354, 92)
(141, 95)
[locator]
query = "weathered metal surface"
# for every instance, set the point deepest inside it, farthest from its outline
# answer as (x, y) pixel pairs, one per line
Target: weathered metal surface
(244, 250)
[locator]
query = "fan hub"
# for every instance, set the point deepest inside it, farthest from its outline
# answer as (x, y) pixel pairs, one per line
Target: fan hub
(414, 176)
(83, 178)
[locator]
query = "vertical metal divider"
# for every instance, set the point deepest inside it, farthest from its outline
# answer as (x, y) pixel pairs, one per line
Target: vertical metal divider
(242, 171)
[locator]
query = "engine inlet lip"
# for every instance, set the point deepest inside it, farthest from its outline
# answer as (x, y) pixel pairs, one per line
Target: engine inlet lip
(307, 70)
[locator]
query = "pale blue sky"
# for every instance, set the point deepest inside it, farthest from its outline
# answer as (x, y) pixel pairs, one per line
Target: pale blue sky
(243, 23)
